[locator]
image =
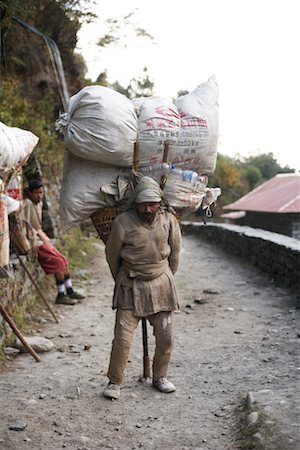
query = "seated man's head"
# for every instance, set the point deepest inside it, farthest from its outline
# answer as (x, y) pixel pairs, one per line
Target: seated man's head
(36, 191)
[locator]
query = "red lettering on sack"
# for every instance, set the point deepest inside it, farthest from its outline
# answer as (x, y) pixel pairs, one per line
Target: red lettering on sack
(165, 111)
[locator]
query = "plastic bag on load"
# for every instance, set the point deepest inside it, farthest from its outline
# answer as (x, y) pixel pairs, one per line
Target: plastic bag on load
(197, 145)
(100, 125)
(183, 194)
(80, 194)
(158, 123)
(16, 145)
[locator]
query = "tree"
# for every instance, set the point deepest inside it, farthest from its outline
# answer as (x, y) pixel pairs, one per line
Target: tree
(266, 164)
(252, 175)
(227, 176)
(138, 87)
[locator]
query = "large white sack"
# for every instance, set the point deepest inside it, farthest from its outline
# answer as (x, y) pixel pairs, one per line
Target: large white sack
(15, 146)
(197, 146)
(100, 125)
(158, 123)
(80, 194)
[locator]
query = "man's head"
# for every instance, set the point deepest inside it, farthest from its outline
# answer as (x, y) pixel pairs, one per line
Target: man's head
(148, 199)
(36, 191)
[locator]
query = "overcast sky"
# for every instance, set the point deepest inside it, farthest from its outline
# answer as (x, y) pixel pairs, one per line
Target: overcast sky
(251, 46)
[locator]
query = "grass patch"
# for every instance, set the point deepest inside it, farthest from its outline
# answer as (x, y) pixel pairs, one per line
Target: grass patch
(267, 429)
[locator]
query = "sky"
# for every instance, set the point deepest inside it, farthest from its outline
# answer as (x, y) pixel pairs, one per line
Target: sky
(251, 46)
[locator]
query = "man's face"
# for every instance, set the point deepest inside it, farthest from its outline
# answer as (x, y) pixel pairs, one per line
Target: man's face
(36, 196)
(147, 211)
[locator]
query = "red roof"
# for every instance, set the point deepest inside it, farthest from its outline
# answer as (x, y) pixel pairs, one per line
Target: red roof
(280, 194)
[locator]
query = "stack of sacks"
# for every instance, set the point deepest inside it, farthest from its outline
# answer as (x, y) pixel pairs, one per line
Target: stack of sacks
(101, 127)
(16, 146)
(190, 127)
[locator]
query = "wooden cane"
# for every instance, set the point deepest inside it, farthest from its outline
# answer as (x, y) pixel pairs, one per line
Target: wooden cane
(163, 178)
(36, 286)
(18, 333)
(136, 156)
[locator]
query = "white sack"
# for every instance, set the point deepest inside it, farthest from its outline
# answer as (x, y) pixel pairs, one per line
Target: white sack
(15, 146)
(183, 195)
(197, 146)
(158, 123)
(80, 194)
(100, 125)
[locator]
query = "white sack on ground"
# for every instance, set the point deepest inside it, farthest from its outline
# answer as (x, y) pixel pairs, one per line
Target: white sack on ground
(197, 146)
(16, 145)
(158, 123)
(100, 125)
(80, 194)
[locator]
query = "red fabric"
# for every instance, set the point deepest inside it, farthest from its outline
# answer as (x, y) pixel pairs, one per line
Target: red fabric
(51, 260)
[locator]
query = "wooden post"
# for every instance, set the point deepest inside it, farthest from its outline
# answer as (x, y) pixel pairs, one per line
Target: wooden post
(18, 333)
(163, 178)
(36, 286)
(146, 357)
(136, 157)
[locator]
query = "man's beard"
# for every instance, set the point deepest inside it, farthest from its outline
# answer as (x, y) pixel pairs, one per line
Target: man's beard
(147, 217)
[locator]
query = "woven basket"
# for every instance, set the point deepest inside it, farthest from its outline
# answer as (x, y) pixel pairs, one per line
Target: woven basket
(103, 219)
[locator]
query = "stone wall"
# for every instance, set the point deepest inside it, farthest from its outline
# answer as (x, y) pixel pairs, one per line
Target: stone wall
(276, 254)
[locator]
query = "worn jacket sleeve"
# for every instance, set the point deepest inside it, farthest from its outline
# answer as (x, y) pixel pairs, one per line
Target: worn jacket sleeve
(113, 248)
(175, 241)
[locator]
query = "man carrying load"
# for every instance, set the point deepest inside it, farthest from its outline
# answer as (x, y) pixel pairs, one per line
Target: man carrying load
(143, 252)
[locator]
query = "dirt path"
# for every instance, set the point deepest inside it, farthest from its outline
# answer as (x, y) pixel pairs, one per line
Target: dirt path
(239, 336)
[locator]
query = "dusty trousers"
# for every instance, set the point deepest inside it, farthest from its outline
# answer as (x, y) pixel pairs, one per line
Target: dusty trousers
(125, 326)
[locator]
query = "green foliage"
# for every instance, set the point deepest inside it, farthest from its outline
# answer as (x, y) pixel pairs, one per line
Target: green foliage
(252, 176)
(77, 248)
(119, 29)
(238, 176)
(140, 87)
(18, 111)
(266, 164)
(228, 178)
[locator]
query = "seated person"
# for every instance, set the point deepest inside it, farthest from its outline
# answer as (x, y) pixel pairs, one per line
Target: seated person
(50, 259)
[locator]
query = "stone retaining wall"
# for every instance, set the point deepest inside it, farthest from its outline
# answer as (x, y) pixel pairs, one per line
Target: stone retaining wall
(276, 254)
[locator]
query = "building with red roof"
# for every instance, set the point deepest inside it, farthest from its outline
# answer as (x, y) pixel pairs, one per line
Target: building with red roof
(273, 206)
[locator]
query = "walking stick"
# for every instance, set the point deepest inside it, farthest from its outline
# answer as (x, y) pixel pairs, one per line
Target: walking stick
(18, 333)
(36, 286)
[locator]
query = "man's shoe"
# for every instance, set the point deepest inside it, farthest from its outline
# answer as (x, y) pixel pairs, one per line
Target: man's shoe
(75, 295)
(163, 385)
(112, 391)
(65, 300)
